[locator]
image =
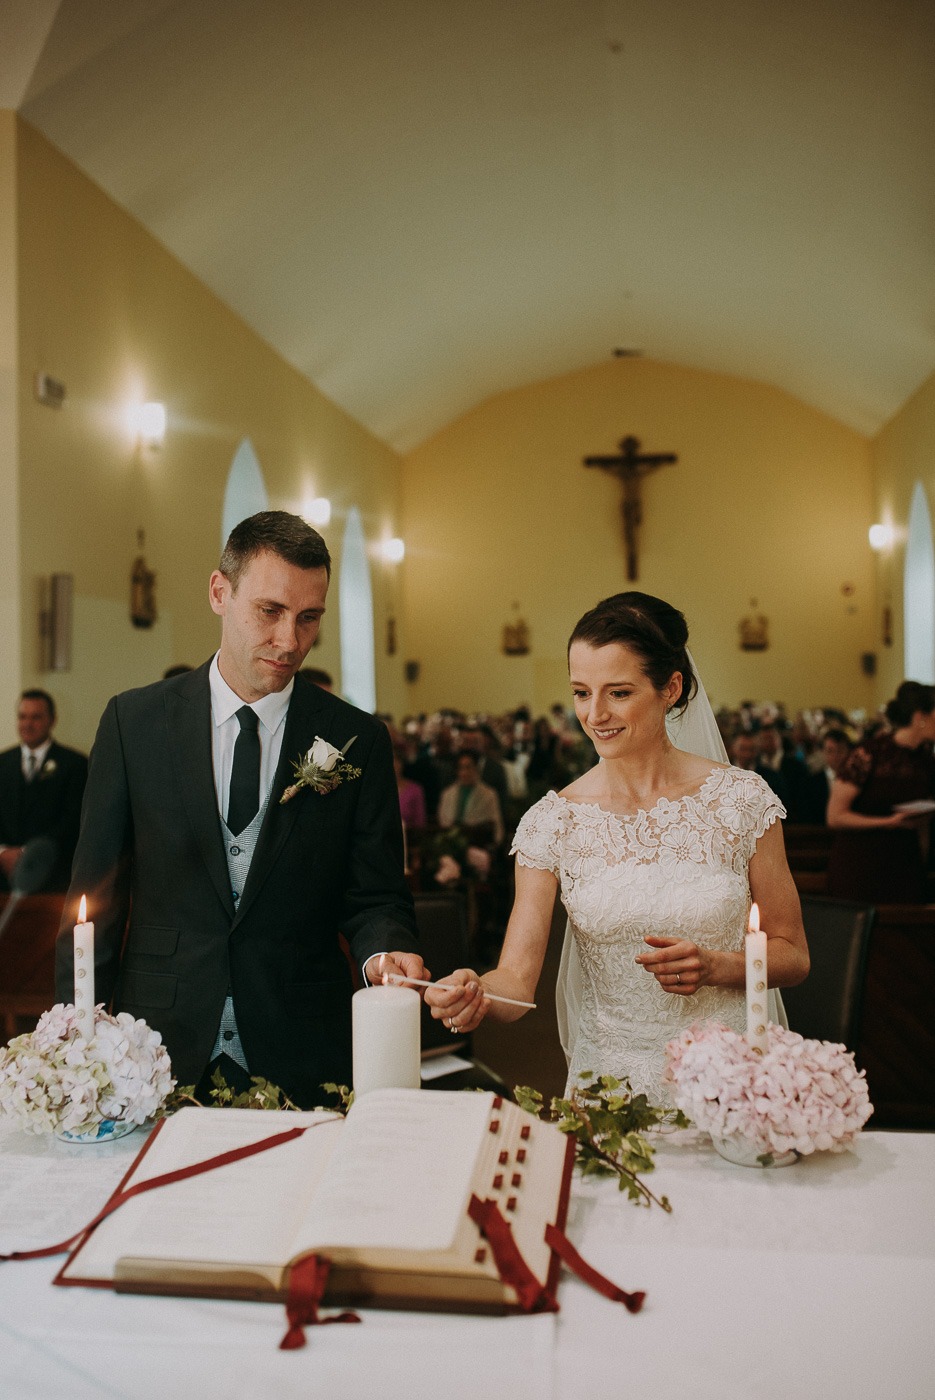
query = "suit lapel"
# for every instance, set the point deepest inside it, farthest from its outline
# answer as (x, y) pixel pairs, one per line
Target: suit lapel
(280, 819)
(188, 721)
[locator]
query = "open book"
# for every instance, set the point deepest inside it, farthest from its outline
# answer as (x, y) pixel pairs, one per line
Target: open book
(383, 1194)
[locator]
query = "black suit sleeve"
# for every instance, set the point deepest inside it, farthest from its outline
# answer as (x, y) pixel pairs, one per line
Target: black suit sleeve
(101, 868)
(378, 911)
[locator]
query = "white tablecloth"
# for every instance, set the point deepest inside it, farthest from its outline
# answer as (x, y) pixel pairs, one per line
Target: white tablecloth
(816, 1280)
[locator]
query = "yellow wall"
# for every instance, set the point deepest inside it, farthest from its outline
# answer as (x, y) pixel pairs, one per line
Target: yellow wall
(9, 426)
(769, 499)
(903, 453)
(107, 310)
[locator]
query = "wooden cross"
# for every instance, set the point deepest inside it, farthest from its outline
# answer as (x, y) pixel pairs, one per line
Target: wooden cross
(631, 466)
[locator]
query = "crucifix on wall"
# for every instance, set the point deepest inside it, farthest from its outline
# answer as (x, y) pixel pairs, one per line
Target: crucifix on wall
(631, 466)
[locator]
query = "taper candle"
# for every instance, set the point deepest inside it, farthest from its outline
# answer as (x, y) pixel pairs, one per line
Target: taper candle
(755, 948)
(387, 1039)
(84, 971)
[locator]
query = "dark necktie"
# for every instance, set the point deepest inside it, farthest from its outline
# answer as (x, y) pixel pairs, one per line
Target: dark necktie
(244, 801)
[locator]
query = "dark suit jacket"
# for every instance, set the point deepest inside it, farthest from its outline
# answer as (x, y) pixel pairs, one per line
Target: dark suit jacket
(49, 806)
(151, 850)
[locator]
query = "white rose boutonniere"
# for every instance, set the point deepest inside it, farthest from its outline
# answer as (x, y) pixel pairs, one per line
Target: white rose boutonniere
(48, 768)
(322, 769)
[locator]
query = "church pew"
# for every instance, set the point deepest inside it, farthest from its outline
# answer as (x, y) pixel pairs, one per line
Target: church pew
(27, 961)
(897, 1040)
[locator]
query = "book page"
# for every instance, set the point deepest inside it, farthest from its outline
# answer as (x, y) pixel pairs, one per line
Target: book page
(400, 1176)
(244, 1213)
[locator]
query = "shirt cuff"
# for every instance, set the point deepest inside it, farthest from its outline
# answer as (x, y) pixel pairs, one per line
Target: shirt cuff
(363, 970)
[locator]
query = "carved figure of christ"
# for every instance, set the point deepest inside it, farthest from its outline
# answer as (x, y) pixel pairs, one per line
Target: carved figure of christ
(631, 466)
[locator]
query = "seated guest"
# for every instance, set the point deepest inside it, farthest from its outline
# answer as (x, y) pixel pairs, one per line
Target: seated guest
(411, 796)
(319, 677)
(41, 787)
(481, 741)
(743, 751)
(879, 853)
(786, 775)
(835, 751)
(468, 801)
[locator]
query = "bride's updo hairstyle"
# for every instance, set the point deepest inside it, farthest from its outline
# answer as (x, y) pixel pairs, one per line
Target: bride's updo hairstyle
(655, 630)
(911, 698)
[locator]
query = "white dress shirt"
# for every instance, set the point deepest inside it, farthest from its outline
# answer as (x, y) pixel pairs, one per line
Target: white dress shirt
(40, 754)
(271, 713)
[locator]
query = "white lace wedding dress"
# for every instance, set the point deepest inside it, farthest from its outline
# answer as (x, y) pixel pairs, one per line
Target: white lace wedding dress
(679, 870)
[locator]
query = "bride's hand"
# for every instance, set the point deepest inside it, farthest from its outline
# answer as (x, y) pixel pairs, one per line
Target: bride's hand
(463, 1007)
(679, 966)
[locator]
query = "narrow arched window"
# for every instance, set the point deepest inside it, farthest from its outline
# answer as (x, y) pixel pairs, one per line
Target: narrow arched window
(919, 592)
(355, 605)
(245, 492)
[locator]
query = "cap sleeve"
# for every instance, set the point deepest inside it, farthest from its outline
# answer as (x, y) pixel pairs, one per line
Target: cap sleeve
(765, 808)
(537, 842)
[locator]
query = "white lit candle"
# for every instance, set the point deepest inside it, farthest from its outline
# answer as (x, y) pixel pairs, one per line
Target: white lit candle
(84, 972)
(756, 983)
(387, 1039)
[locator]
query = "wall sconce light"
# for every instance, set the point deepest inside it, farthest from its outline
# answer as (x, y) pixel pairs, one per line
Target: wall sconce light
(393, 551)
(55, 623)
(151, 424)
(881, 536)
(318, 512)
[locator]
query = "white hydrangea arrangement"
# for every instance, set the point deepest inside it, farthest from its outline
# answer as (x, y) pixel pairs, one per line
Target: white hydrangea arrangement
(51, 1080)
(801, 1096)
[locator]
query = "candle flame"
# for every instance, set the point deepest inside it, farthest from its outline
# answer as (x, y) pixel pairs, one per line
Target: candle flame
(83, 910)
(754, 926)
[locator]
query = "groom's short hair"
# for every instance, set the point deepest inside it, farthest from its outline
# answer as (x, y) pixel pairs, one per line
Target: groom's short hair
(276, 532)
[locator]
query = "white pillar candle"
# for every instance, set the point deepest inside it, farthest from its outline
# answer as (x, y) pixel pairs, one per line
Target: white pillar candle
(387, 1039)
(755, 946)
(84, 972)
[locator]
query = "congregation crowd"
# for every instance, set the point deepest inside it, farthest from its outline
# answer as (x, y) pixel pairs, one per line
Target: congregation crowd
(465, 780)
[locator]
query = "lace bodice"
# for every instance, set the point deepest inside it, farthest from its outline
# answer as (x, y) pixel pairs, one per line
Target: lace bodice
(677, 869)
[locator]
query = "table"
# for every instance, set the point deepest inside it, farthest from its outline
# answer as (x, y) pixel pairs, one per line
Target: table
(815, 1280)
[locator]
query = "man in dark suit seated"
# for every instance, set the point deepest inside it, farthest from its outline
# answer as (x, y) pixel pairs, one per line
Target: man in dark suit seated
(788, 776)
(217, 888)
(41, 787)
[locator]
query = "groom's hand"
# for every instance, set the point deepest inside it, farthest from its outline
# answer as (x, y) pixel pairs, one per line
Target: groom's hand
(382, 966)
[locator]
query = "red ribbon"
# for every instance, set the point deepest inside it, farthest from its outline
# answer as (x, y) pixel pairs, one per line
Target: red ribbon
(307, 1280)
(511, 1266)
(513, 1269)
(558, 1241)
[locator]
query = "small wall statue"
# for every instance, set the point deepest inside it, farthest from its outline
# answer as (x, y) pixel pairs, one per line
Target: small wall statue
(754, 630)
(142, 590)
(515, 636)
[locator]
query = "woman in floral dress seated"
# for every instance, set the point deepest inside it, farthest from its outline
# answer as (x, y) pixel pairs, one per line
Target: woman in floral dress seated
(879, 852)
(656, 852)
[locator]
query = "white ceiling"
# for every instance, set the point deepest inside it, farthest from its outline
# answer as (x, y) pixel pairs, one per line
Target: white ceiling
(421, 203)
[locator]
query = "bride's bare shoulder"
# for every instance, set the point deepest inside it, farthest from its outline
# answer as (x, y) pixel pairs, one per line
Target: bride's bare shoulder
(587, 788)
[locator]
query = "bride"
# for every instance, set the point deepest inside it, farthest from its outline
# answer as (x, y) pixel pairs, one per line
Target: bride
(656, 852)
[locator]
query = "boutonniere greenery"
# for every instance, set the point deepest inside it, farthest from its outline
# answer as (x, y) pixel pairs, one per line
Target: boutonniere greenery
(48, 768)
(322, 769)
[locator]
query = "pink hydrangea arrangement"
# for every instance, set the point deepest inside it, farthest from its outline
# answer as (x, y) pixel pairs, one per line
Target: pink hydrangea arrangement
(801, 1096)
(52, 1080)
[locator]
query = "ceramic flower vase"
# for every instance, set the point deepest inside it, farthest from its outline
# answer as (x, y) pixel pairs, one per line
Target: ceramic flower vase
(107, 1130)
(745, 1153)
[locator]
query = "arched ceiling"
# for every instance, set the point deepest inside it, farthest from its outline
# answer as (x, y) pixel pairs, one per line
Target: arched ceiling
(421, 203)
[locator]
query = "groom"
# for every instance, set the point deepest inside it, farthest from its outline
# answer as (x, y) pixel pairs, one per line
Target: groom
(217, 907)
